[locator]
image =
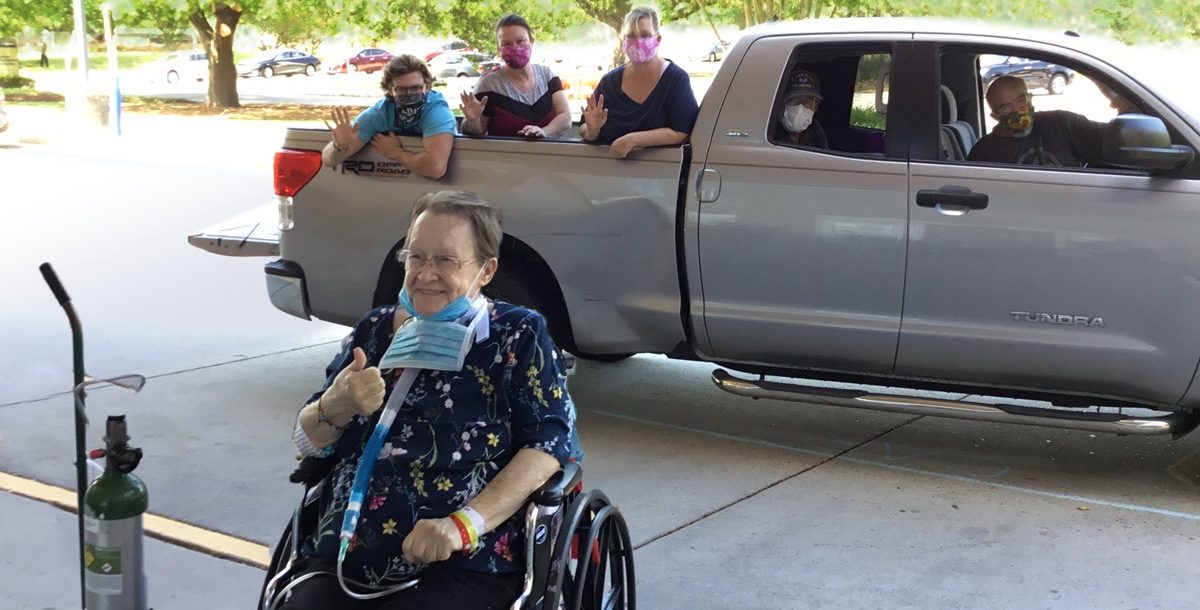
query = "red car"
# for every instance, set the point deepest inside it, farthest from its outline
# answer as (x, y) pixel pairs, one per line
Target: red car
(366, 60)
(456, 45)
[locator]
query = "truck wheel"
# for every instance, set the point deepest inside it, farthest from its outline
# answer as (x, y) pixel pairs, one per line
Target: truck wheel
(1058, 84)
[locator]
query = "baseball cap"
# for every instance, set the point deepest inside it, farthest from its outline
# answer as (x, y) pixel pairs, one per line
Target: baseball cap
(802, 82)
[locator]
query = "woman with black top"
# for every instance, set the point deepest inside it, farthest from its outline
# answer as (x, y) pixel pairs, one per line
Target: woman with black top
(521, 98)
(646, 102)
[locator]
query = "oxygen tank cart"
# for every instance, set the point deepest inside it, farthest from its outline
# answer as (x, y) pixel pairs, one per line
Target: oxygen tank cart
(111, 574)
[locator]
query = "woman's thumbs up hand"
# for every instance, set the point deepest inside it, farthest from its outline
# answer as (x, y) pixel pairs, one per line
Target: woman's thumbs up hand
(358, 389)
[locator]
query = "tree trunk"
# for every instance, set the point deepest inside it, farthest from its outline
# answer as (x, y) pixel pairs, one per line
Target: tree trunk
(704, 12)
(222, 72)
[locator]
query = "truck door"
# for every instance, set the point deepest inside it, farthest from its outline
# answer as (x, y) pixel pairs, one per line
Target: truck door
(1072, 279)
(801, 248)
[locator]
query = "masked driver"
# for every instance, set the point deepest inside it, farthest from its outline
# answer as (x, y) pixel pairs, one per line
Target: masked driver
(1024, 137)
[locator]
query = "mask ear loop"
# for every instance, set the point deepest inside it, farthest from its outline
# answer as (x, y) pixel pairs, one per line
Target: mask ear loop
(476, 279)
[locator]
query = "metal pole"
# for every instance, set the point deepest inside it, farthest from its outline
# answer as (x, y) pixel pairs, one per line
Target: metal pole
(80, 426)
(110, 42)
(81, 88)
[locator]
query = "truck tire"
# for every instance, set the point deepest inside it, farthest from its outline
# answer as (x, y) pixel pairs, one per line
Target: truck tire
(522, 280)
(519, 291)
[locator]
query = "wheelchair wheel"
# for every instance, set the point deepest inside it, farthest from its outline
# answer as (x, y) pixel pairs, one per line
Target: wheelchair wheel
(594, 558)
(279, 557)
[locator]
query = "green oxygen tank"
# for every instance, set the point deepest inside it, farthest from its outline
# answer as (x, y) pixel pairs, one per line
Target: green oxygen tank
(114, 577)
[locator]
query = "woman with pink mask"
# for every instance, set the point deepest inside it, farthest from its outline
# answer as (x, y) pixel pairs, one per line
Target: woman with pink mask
(646, 102)
(521, 99)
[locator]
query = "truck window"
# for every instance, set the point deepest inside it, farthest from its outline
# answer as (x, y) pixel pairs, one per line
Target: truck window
(1070, 106)
(834, 101)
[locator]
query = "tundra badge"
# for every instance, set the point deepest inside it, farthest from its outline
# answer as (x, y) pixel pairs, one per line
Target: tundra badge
(1060, 319)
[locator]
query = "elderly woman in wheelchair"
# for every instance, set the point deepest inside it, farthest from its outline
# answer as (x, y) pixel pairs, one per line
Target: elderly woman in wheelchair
(439, 419)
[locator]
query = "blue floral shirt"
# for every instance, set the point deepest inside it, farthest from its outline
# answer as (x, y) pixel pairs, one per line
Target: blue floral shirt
(452, 434)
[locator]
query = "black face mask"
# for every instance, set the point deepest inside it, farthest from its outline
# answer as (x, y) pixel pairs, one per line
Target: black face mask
(408, 108)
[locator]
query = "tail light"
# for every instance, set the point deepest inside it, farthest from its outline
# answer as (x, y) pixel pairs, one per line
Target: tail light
(294, 169)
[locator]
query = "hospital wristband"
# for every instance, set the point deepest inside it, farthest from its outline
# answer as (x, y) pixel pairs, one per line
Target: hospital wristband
(470, 526)
(321, 417)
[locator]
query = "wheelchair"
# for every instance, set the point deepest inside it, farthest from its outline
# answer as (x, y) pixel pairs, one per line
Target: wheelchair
(577, 550)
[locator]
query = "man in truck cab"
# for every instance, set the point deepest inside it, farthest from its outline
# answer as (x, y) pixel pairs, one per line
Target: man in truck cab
(408, 107)
(1024, 137)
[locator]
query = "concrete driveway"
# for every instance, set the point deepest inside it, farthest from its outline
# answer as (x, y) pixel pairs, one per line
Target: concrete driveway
(733, 503)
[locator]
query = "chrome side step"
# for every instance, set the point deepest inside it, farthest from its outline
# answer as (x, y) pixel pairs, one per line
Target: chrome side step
(1176, 424)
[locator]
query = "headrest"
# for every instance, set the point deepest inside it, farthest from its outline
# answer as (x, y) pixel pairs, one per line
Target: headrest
(949, 106)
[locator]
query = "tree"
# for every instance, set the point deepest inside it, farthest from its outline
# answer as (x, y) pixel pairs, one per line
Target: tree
(474, 21)
(295, 23)
(384, 20)
(16, 15)
(159, 15)
(217, 39)
(611, 13)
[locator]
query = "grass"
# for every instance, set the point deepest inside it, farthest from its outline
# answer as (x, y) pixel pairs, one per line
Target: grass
(862, 116)
(97, 61)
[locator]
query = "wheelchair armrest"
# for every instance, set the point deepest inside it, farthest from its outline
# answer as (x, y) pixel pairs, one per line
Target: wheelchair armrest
(312, 469)
(558, 485)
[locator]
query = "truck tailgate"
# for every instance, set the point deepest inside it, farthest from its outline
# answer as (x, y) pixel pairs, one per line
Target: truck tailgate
(251, 233)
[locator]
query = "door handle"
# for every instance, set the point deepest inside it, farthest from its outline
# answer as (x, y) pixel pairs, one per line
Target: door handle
(952, 197)
(708, 185)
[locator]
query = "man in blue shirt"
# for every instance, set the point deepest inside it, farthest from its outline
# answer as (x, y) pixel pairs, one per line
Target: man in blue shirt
(409, 107)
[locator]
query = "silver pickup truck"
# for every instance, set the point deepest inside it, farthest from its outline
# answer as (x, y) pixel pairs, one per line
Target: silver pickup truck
(1053, 296)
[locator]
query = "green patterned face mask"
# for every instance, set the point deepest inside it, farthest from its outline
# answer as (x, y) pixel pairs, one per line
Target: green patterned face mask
(1019, 121)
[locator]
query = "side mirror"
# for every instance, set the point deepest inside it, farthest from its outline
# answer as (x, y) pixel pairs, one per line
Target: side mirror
(1138, 141)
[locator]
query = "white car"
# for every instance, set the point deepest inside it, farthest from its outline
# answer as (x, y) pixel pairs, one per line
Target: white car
(184, 65)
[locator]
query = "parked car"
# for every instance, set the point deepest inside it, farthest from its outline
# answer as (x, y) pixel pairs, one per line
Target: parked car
(483, 62)
(1062, 299)
(183, 65)
(3, 115)
(454, 45)
(452, 64)
(1037, 74)
(280, 61)
(366, 60)
(716, 52)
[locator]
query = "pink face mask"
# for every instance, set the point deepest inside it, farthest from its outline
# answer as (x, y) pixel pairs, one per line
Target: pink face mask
(640, 50)
(516, 55)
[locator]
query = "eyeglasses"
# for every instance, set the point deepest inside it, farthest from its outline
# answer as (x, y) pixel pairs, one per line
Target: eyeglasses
(1020, 102)
(442, 263)
(406, 91)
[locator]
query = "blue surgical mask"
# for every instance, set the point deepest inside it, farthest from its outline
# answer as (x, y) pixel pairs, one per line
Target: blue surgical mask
(435, 344)
(452, 311)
